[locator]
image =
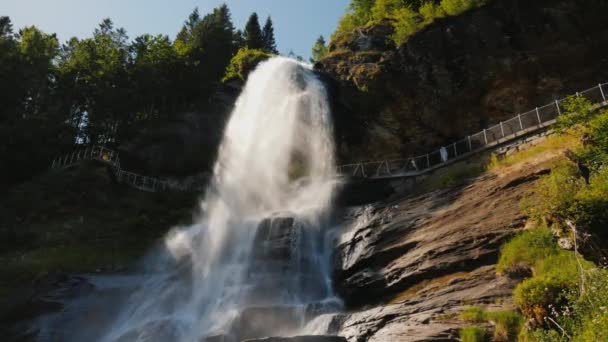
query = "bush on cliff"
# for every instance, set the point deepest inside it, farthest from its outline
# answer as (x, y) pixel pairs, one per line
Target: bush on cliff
(523, 251)
(244, 62)
(406, 16)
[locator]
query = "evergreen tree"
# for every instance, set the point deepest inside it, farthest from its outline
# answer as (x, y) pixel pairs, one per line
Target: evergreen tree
(319, 49)
(270, 44)
(239, 39)
(253, 33)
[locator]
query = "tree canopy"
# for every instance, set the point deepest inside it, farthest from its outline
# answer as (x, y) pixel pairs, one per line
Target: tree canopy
(106, 88)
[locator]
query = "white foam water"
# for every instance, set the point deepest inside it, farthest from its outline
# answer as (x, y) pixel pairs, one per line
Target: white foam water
(273, 181)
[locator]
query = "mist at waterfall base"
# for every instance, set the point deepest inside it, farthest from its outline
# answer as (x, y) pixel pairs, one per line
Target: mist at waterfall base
(257, 262)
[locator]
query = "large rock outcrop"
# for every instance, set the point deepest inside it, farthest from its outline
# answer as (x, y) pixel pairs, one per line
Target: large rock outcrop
(461, 73)
(406, 266)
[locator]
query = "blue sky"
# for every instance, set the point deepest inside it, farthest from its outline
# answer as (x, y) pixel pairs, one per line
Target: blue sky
(297, 22)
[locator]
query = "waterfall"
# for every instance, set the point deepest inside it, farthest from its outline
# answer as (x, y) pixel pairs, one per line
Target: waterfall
(256, 262)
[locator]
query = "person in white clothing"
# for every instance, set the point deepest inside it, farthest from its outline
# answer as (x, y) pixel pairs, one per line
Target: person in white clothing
(444, 154)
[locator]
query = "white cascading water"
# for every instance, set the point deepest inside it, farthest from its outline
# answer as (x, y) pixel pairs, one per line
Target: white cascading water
(258, 253)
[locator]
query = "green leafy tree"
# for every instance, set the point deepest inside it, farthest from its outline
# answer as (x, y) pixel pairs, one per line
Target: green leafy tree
(319, 49)
(253, 33)
(244, 62)
(270, 44)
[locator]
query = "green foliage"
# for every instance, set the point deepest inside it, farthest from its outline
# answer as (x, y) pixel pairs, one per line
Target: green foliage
(406, 23)
(593, 330)
(552, 144)
(319, 50)
(406, 16)
(577, 110)
(555, 280)
(457, 7)
(270, 44)
(473, 314)
(554, 194)
(568, 296)
(524, 250)
(431, 11)
(103, 89)
(253, 33)
(507, 323)
(383, 9)
(473, 334)
(244, 62)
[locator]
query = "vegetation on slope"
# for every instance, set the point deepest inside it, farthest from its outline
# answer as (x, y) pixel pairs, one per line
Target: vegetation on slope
(80, 221)
(244, 62)
(406, 16)
(566, 294)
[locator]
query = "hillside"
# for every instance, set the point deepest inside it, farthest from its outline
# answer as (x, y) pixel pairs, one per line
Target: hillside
(459, 74)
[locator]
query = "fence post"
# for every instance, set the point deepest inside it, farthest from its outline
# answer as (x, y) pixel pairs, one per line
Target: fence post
(538, 116)
(428, 161)
(455, 151)
(602, 91)
(559, 111)
(470, 145)
(485, 136)
(521, 125)
(502, 130)
(578, 94)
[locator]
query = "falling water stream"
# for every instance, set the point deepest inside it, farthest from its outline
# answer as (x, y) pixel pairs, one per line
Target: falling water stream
(256, 264)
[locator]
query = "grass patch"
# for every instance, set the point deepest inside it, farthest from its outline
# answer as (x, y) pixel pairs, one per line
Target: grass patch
(473, 314)
(524, 250)
(507, 323)
(551, 144)
(453, 175)
(473, 334)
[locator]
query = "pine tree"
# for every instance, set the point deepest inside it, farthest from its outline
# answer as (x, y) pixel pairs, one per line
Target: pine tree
(319, 49)
(270, 44)
(253, 33)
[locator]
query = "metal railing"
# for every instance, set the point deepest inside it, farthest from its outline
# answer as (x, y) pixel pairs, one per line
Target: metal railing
(512, 129)
(110, 157)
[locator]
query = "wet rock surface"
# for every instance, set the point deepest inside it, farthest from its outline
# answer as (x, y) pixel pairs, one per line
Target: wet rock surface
(407, 266)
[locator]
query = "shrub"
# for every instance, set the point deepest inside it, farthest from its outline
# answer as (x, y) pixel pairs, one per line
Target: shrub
(473, 314)
(554, 193)
(473, 334)
(537, 297)
(244, 62)
(431, 11)
(508, 324)
(589, 209)
(577, 110)
(524, 250)
(406, 24)
(594, 330)
(457, 7)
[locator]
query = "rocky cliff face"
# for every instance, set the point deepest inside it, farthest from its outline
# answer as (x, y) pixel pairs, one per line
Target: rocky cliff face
(407, 266)
(461, 73)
